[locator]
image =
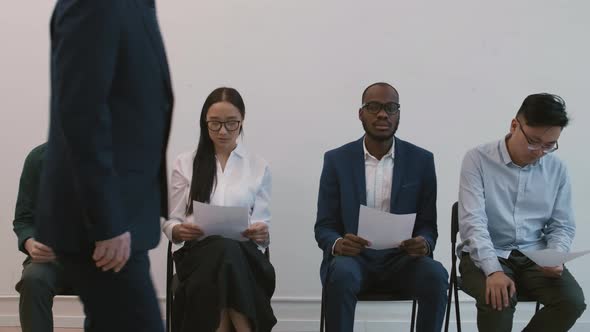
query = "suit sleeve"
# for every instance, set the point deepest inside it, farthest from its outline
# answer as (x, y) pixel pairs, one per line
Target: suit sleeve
(328, 226)
(85, 43)
(426, 212)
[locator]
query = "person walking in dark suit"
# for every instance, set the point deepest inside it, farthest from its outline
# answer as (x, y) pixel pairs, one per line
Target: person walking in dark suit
(388, 174)
(103, 184)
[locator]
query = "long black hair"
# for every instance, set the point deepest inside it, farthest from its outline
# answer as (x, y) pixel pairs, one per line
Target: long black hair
(204, 164)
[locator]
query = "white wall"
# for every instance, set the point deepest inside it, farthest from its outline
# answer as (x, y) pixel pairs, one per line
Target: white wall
(462, 69)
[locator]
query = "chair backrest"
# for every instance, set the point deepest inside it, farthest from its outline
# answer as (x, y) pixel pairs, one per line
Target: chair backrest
(454, 223)
(169, 261)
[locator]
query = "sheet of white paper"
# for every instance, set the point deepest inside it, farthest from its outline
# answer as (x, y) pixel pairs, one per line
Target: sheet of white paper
(384, 230)
(552, 257)
(226, 221)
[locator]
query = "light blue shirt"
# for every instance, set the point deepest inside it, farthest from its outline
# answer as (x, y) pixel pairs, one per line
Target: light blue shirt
(505, 207)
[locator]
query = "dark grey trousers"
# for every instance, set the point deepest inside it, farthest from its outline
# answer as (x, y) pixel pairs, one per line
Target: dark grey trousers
(39, 283)
(562, 298)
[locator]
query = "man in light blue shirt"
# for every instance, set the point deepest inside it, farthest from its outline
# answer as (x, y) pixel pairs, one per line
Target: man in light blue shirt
(515, 196)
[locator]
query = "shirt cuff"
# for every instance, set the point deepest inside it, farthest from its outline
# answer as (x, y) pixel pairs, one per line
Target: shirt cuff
(490, 265)
(334, 246)
(168, 229)
(558, 247)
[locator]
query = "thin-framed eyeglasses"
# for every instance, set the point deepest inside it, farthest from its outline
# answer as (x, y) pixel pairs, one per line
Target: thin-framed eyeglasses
(231, 125)
(374, 107)
(532, 146)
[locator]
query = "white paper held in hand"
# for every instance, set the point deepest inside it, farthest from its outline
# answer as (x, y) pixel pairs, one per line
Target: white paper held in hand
(227, 221)
(384, 230)
(552, 257)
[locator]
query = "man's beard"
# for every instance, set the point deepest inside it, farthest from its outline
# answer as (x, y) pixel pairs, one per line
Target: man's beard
(379, 138)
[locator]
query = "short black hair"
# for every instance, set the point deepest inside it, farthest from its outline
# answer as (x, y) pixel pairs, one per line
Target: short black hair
(377, 84)
(543, 110)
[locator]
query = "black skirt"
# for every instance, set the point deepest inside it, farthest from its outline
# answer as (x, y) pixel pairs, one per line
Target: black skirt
(218, 273)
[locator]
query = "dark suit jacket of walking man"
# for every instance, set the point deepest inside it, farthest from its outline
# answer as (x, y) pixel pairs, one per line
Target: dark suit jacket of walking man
(103, 185)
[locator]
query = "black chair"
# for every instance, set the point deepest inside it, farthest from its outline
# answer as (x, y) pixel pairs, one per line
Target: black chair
(372, 296)
(172, 284)
(455, 281)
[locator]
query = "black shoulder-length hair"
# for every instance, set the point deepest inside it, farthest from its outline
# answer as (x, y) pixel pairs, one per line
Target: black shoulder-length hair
(204, 164)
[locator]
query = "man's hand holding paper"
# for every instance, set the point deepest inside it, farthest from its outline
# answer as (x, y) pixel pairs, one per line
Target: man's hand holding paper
(387, 230)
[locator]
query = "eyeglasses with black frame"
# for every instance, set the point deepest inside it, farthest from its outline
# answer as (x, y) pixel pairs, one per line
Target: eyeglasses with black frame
(374, 107)
(231, 125)
(532, 146)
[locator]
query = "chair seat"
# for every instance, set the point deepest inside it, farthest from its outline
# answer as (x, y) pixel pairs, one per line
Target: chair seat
(373, 295)
(67, 292)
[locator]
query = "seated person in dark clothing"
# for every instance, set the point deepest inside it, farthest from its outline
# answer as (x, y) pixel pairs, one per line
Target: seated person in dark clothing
(43, 275)
(224, 284)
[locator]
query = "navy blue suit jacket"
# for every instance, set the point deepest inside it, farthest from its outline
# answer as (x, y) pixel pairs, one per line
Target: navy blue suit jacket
(111, 105)
(343, 189)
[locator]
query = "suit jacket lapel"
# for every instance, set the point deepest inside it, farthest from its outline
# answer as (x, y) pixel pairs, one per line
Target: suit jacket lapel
(358, 169)
(399, 169)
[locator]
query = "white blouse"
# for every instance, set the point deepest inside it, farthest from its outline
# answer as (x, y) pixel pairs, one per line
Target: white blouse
(245, 182)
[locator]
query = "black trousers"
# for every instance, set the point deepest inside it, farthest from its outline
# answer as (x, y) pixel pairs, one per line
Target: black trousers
(124, 301)
(39, 283)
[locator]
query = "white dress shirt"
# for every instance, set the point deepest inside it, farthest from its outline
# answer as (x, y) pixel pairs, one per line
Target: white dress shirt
(378, 181)
(245, 182)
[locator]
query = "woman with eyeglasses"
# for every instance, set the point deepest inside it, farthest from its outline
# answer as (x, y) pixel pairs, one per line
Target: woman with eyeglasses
(224, 284)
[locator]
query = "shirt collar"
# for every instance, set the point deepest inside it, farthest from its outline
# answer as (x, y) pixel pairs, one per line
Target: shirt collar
(505, 156)
(389, 153)
(239, 151)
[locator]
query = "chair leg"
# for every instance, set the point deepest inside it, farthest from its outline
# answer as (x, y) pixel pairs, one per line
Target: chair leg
(167, 307)
(169, 276)
(413, 322)
(449, 302)
(322, 310)
(457, 310)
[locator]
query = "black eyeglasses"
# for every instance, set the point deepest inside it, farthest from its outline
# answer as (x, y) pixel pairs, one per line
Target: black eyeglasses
(231, 125)
(374, 107)
(547, 148)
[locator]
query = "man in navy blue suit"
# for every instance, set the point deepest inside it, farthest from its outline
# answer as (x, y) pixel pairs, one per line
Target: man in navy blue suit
(385, 173)
(103, 184)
